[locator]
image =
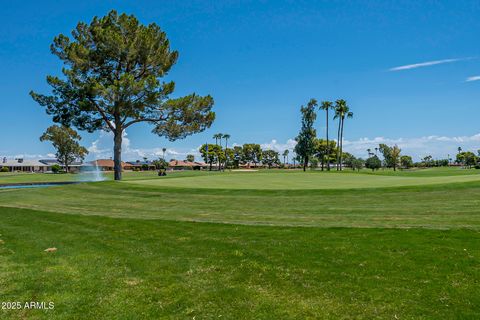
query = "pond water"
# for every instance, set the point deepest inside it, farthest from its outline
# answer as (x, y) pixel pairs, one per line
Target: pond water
(38, 185)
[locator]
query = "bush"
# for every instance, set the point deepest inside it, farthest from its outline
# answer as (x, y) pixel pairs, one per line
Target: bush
(373, 163)
(477, 166)
(4, 169)
(56, 168)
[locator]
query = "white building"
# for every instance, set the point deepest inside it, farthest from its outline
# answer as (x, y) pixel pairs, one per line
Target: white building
(24, 165)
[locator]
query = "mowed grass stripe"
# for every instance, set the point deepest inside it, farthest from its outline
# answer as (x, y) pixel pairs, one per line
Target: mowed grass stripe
(301, 180)
(434, 206)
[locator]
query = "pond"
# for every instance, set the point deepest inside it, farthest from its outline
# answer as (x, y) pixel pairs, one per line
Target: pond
(34, 185)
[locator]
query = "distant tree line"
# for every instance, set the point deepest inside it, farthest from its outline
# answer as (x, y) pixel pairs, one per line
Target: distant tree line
(219, 156)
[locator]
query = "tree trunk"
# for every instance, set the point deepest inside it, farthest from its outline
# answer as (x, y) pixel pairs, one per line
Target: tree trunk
(305, 163)
(65, 162)
(117, 154)
(341, 144)
(338, 141)
(226, 146)
(328, 148)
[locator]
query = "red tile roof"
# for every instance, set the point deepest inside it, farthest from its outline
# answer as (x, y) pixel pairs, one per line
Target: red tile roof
(106, 163)
(181, 163)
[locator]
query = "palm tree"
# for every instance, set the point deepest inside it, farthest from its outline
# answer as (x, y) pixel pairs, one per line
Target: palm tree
(285, 156)
(327, 105)
(376, 151)
(217, 137)
(342, 111)
(369, 152)
(226, 136)
(163, 150)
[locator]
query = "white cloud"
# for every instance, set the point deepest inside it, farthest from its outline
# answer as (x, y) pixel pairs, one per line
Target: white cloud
(417, 147)
(279, 147)
(437, 146)
(102, 148)
(473, 78)
(425, 64)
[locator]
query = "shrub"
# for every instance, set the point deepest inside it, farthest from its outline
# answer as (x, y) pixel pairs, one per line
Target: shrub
(56, 168)
(373, 163)
(4, 169)
(477, 166)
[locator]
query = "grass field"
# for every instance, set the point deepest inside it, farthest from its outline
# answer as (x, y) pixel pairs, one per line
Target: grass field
(254, 245)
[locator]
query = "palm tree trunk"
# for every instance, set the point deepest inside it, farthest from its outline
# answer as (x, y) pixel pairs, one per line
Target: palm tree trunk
(341, 143)
(216, 143)
(338, 141)
(328, 148)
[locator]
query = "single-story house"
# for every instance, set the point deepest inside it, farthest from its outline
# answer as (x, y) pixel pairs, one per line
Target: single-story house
(140, 165)
(24, 165)
(33, 165)
(106, 165)
(250, 165)
(186, 165)
(72, 167)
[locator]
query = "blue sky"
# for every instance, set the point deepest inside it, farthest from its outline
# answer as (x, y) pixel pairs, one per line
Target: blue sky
(261, 60)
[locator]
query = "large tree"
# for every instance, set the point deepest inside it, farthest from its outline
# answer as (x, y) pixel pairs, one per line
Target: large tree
(305, 146)
(252, 152)
(407, 162)
(391, 155)
(112, 80)
(210, 153)
(270, 157)
(467, 158)
(373, 163)
(66, 142)
(342, 111)
(325, 152)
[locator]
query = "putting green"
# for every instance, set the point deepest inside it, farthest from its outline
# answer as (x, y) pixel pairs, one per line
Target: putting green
(300, 180)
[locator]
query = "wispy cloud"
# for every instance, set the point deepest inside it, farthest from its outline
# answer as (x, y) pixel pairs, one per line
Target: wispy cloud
(418, 147)
(102, 148)
(426, 64)
(473, 78)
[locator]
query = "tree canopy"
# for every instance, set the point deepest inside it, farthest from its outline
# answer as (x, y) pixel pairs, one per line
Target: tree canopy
(252, 152)
(211, 153)
(373, 163)
(325, 152)
(270, 157)
(112, 80)
(66, 142)
(305, 147)
(391, 155)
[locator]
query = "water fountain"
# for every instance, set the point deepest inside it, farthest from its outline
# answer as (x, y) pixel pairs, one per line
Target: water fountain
(92, 173)
(97, 174)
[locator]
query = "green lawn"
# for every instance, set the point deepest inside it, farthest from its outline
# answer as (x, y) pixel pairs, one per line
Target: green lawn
(237, 246)
(283, 180)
